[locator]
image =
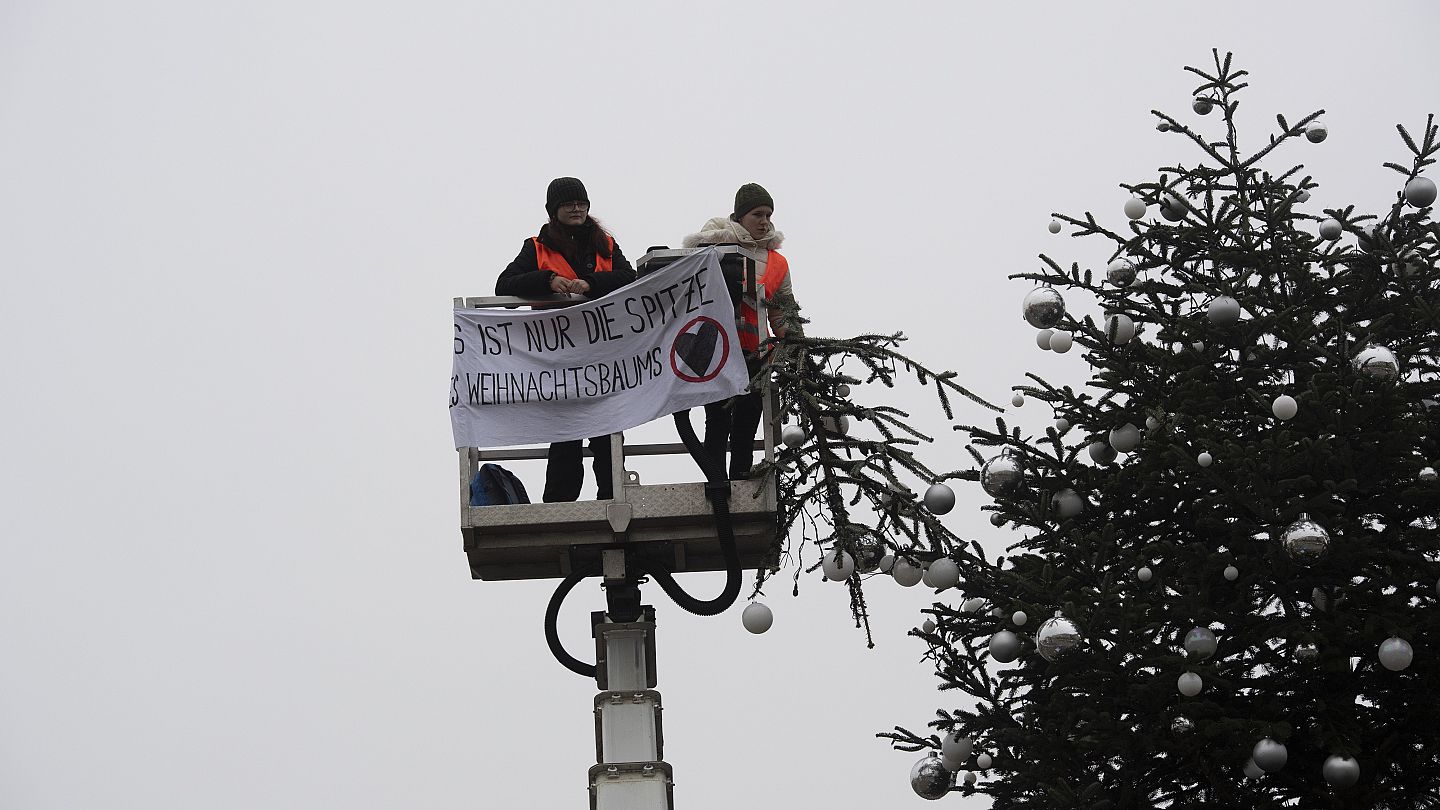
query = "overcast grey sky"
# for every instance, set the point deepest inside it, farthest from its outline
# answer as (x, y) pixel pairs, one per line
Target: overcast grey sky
(230, 569)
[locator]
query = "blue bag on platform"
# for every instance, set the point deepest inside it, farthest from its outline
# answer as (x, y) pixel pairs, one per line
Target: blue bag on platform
(494, 485)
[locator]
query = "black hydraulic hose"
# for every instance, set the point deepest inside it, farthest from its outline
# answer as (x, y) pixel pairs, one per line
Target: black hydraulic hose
(717, 489)
(552, 634)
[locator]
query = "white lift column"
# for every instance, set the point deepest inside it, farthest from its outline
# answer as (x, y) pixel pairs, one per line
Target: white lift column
(629, 744)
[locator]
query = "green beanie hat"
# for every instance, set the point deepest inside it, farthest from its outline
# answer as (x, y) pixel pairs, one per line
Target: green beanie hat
(749, 197)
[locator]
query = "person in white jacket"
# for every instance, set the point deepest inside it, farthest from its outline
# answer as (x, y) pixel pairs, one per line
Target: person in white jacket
(734, 422)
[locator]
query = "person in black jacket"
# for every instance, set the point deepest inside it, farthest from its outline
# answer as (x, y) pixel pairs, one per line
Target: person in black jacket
(572, 254)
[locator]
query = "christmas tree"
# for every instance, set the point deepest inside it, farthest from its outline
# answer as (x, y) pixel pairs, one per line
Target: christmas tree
(1222, 585)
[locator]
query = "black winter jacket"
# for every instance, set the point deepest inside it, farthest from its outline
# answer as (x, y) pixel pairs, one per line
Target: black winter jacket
(523, 277)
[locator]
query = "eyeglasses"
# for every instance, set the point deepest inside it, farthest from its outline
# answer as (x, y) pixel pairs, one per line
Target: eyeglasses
(576, 205)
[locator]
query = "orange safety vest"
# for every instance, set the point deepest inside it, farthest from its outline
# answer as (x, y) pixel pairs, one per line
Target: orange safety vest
(776, 268)
(554, 260)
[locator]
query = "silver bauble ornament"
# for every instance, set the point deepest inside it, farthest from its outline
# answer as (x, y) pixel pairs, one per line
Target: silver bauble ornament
(1315, 132)
(939, 498)
(906, 572)
(1305, 652)
(1062, 424)
(842, 390)
(1204, 459)
(972, 604)
(1200, 643)
(1004, 646)
(1305, 541)
(1144, 574)
(1223, 310)
(869, 553)
(1043, 307)
(1121, 326)
(1330, 229)
(941, 574)
(1042, 339)
(983, 762)
(1054, 226)
(1231, 573)
(1172, 208)
(928, 626)
(1284, 407)
(1019, 618)
(970, 777)
(956, 748)
(839, 425)
(1061, 341)
(756, 617)
(792, 435)
(1122, 272)
(1396, 654)
(929, 778)
(1342, 772)
(1420, 192)
(1056, 637)
(1202, 106)
(1101, 452)
(1269, 755)
(1427, 474)
(1377, 363)
(1003, 475)
(1303, 196)
(1018, 399)
(1182, 725)
(1252, 770)
(1125, 438)
(1189, 684)
(1068, 504)
(1135, 208)
(837, 567)
(887, 563)
(1151, 424)
(997, 519)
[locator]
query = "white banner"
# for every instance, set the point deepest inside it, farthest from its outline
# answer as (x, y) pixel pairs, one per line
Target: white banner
(660, 345)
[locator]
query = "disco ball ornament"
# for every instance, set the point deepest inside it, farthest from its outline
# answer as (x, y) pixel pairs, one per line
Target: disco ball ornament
(1204, 459)
(1042, 339)
(941, 574)
(1306, 653)
(1182, 725)
(1057, 637)
(1427, 474)
(1101, 452)
(1231, 573)
(1342, 772)
(983, 762)
(1315, 132)
(1068, 504)
(1305, 541)
(906, 573)
(869, 553)
(1125, 438)
(792, 435)
(1135, 208)
(939, 498)
(1054, 226)
(1019, 618)
(756, 617)
(1330, 229)
(1200, 643)
(1189, 684)
(1018, 400)
(1121, 326)
(1284, 407)
(1004, 646)
(1144, 574)
(1122, 272)
(1043, 307)
(1223, 310)
(1062, 424)
(956, 748)
(1202, 106)
(1252, 770)
(929, 778)
(1377, 363)
(838, 567)
(1396, 654)
(1269, 755)
(1420, 192)
(1061, 341)
(1002, 476)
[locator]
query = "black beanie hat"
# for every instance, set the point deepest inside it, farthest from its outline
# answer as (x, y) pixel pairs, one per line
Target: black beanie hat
(749, 197)
(563, 190)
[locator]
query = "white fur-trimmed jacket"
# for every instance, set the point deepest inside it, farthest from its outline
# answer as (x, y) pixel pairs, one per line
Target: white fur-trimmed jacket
(724, 230)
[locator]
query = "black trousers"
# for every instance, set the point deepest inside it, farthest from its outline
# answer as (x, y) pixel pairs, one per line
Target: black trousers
(565, 472)
(733, 423)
